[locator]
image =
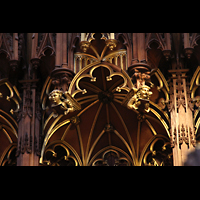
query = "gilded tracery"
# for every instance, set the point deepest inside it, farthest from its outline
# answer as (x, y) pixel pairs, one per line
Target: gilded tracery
(99, 99)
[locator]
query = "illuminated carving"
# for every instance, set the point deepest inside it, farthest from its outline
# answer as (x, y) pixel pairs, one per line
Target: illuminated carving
(140, 96)
(63, 103)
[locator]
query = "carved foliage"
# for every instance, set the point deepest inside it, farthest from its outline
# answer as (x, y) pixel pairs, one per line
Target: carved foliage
(181, 91)
(183, 134)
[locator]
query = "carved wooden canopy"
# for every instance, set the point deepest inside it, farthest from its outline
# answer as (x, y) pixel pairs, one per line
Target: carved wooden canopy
(104, 131)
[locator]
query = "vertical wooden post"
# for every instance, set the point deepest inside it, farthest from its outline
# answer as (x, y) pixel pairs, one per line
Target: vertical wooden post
(34, 45)
(15, 46)
(141, 47)
(58, 49)
(186, 40)
(64, 50)
(182, 127)
(168, 42)
(135, 53)
(27, 137)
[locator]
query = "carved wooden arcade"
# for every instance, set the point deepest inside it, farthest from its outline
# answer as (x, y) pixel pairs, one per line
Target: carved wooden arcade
(99, 99)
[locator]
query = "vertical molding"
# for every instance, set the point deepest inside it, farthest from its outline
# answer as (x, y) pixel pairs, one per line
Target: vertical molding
(34, 45)
(58, 49)
(135, 53)
(15, 46)
(141, 47)
(181, 117)
(64, 50)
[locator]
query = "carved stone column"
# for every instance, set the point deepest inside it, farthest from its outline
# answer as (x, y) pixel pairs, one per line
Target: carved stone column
(180, 108)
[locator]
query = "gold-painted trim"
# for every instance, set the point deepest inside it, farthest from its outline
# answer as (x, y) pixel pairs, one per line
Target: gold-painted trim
(94, 144)
(108, 151)
(66, 130)
(9, 117)
(147, 145)
(78, 54)
(47, 121)
(161, 120)
(91, 87)
(88, 100)
(163, 112)
(196, 112)
(47, 136)
(151, 127)
(12, 89)
(108, 148)
(126, 130)
(82, 111)
(95, 51)
(8, 122)
(67, 146)
(163, 83)
(193, 80)
(78, 75)
(92, 128)
(10, 146)
(197, 126)
(57, 127)
(123, 51)
(124, 141)
(116, 100)
(17, 92)
(7, 135)
(81, 144)
(138, 139)
(163, 79)
(194, 83)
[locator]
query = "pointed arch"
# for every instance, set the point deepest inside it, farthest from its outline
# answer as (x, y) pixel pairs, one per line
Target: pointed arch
(127, 43)
(103, 122)
(46, 43)
(75, 38)
(4, 46)
(155, 37)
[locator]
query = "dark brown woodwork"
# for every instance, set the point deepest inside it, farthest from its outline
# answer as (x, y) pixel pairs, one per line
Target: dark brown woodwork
(96, 76)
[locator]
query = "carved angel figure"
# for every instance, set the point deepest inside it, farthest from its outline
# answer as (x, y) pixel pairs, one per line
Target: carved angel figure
(140, 95)
(60, 104)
